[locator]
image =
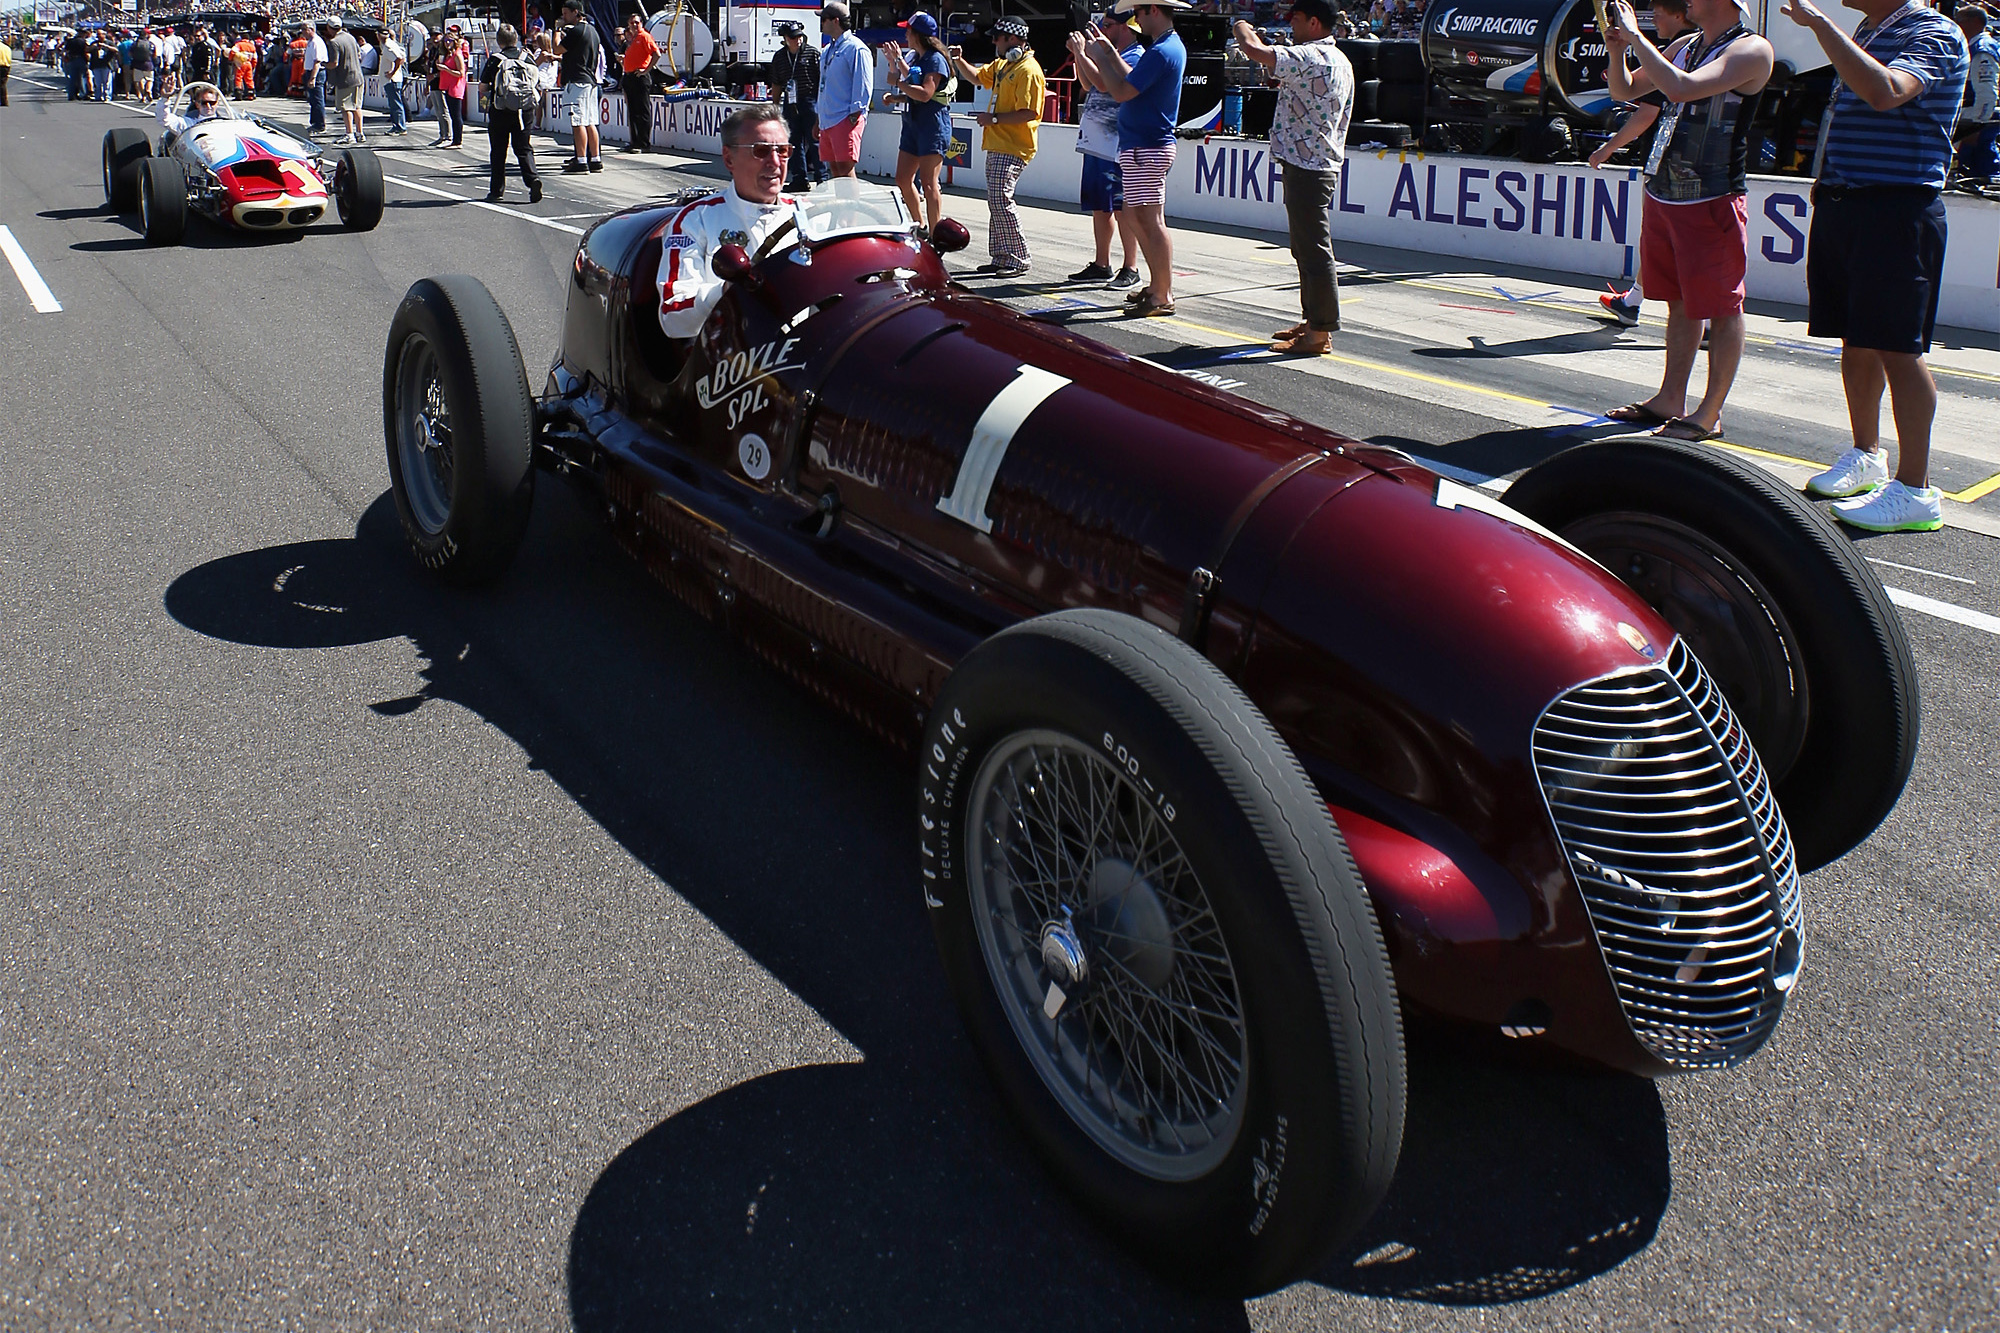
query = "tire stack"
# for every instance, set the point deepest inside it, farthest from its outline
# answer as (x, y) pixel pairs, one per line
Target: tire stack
(1383, 76)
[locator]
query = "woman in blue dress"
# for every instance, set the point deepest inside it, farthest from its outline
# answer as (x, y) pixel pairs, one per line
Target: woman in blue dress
(923, 88)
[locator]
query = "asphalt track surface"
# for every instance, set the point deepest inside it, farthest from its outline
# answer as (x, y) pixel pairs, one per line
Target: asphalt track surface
(378, 957)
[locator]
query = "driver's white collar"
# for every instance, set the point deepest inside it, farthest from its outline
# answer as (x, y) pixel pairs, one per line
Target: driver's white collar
(738, 202)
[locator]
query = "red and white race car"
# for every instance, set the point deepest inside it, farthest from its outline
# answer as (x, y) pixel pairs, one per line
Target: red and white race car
(235, 169)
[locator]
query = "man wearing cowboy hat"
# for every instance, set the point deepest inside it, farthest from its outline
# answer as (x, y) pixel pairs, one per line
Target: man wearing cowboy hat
(1019, 89)
(1149, 107)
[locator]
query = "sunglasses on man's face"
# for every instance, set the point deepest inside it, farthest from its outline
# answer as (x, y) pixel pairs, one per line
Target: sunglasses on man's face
(206, 103)
(765, 150)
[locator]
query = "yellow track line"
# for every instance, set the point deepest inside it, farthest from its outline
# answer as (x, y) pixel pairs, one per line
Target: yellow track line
(1760, 338)
(1977, 491)
(1360, 364)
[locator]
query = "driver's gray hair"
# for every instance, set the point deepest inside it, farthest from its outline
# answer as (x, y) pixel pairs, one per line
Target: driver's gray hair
(508, 37)
(741, 127)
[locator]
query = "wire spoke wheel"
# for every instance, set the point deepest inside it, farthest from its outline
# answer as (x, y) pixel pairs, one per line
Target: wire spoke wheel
(423, 434)
(1107, 956)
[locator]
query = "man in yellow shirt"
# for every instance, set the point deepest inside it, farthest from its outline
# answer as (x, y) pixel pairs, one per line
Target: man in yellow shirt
(6, 68)
(1019, 90)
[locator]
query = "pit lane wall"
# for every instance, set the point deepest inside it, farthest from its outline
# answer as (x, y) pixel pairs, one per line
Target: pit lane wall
(1569, 217)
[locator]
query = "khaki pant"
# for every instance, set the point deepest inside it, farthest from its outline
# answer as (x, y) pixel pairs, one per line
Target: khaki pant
(1308, 197)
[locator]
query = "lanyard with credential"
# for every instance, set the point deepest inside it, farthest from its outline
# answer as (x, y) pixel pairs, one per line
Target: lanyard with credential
(1663, 137)
(1826, 121)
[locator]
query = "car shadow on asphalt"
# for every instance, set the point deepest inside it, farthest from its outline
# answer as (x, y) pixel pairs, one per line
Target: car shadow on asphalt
(201, 234)
(1556, 344)
(888, 1192)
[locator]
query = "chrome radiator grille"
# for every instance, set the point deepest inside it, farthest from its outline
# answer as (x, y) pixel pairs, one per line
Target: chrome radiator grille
(1683, 859)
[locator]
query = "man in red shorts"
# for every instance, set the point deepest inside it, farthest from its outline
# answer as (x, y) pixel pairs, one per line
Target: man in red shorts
(846, 85)
(1694, 233)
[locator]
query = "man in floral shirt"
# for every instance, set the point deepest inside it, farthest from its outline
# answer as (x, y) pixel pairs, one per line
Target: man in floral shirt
(1308, 138)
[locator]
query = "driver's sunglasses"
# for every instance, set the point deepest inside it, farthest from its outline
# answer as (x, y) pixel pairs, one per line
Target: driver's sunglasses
(205, 102)
(765, 150)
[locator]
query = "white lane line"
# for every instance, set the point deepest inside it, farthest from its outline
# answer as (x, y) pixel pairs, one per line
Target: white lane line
(38, 291)
(550, 223)
(1919, 569)
(1930, 606)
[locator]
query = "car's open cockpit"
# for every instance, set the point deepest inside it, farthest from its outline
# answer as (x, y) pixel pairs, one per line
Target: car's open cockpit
(188, 107)
(842, 209)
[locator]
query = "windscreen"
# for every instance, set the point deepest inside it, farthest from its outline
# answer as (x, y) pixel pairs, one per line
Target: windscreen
(845, 206)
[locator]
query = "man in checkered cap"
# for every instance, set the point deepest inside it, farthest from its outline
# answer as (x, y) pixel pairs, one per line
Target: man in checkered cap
(1011, 122)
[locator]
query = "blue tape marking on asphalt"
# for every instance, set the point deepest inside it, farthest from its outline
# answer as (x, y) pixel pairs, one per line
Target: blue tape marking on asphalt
(1591, 418)
(1511, 297)
(1070, 303)
(1239, 355)
(1805, 347)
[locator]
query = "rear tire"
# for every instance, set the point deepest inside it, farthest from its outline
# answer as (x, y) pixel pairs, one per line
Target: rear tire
(1788, 618)
(1400, 103)
(124, 150)
(358, 189)
(1401, 61)
(1223, 1082)
(459, 420)
(163, 201)
(1548, 140)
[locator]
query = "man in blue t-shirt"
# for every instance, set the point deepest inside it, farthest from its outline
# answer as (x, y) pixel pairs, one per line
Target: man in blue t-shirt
(1149, 108)
(1875, 253)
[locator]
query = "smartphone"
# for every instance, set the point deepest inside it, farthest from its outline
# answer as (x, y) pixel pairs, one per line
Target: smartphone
(1603, 18)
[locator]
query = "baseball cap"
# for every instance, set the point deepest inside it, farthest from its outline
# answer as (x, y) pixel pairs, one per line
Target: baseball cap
(833, 9)
(1315, 9)
(1012, 26)
(1133, 6)
(921, 24)
(787, 28)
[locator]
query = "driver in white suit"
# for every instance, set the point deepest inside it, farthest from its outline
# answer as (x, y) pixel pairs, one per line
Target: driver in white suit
(750, 211)
(204, 102)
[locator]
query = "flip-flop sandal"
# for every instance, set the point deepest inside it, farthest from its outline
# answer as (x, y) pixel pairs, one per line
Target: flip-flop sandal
(1687, 428)
(1138, 296)
(1149, 308)
(1638, 414)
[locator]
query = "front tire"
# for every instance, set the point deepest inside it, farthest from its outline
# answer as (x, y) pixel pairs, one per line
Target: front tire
(163, 201)
(357, 188)
(125, 149)
(459, 420)
(1788, 618)
(1217, 1073)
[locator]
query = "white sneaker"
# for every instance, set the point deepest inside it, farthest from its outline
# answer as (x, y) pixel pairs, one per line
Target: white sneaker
(1894, 508)
(1854, 472)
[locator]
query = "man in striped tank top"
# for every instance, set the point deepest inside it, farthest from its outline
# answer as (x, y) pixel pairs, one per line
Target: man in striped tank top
(1875, 255)
(1694, 230)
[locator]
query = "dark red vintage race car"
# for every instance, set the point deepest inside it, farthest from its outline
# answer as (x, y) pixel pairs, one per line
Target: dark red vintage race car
(1238, 738)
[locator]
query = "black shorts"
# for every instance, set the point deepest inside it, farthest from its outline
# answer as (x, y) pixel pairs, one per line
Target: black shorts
(1874, 263)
